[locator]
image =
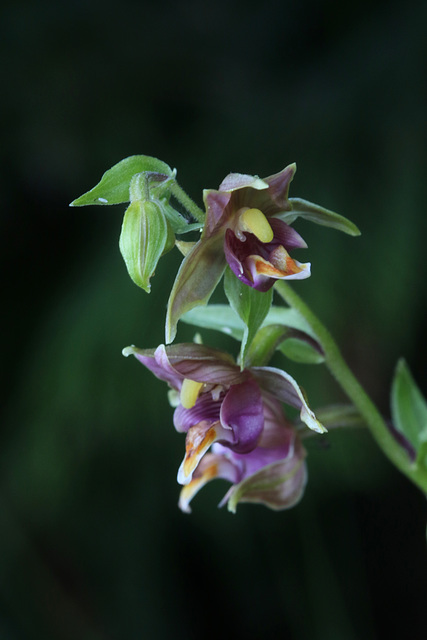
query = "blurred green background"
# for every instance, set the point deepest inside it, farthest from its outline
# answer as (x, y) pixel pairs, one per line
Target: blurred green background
(92, 545)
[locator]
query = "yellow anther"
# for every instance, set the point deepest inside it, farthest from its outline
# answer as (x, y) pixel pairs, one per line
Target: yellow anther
(190, 392)
(254, 221)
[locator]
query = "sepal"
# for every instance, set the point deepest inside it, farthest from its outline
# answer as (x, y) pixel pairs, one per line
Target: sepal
(279, 485)
(197, 277)
(315, 213)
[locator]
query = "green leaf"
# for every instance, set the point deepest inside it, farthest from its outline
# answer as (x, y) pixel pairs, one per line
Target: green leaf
(409, 410)
(270, 337)
(219, 317)
(302, 349)
(113, 187)
(251, 306)
(288, 318)
(315, 213)
(143, 239)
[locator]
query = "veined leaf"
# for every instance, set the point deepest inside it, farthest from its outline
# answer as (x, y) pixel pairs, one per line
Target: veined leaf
(113, 188)
(251, 306)
(409, 410)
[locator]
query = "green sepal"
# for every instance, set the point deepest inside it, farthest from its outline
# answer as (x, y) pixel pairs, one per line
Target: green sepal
(197, 277)
(315, 213)
(113, 188)
(145, 235)
(409, 411)
(250, 305)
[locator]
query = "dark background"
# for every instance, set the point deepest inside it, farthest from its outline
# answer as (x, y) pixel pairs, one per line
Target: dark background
(92, 545)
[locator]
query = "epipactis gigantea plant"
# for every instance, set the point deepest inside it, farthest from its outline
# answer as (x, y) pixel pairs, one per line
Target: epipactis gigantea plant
(232, 413)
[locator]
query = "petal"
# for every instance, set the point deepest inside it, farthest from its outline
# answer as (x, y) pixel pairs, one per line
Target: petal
(263, 272)
(211, 467)
(203, 364)
(279, 485)
(198, 275)
(189, 360)
(272, 200)
(157, 362)
(235, 181)
(205, 409)
(278, 186)
(282, 386)
(217, 213)
(286, 235)
(242, 411)
(199, 439)
(235, 254)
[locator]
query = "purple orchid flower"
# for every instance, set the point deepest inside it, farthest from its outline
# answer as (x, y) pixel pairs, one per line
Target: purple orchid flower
(243, 230)
(273, 474)
(219, 403)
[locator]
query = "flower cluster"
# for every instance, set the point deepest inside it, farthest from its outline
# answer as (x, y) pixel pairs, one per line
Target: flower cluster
(231, 414)
(234, 424)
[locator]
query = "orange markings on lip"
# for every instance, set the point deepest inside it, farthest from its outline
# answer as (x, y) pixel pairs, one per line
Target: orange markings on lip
(281, 264)
(195, 447)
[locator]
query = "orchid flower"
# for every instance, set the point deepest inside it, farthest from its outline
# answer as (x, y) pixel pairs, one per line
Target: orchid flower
(243, 230)
(217, 402)
(273, 474)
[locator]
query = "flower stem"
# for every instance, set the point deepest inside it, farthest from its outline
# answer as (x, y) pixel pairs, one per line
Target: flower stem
(345, 378)
(187, 202)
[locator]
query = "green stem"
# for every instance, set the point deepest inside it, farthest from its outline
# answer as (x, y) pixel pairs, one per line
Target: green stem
(187, 202)
(345, 378)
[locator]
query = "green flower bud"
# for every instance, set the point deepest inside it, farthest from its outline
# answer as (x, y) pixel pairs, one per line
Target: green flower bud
(145, 236)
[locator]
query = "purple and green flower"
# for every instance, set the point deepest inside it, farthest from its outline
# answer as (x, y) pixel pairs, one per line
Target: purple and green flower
(236, 416)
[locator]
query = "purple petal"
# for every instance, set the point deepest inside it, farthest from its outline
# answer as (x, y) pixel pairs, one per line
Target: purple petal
(282, 386)
(279, 186)
(217, 213)
(285, 235)
(204, 364)
(158, 363)
(278, 485)
(235, 254)
(205, 409)
(242, 412)
(188, 360)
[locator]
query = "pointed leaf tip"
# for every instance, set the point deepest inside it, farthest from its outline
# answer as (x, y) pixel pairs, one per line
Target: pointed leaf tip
(409, 408)
(113, 188)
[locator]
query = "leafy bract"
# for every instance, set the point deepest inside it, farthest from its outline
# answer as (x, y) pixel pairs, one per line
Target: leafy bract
(280, 327)
(409, 411)
(113, 188)
(250, 305)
